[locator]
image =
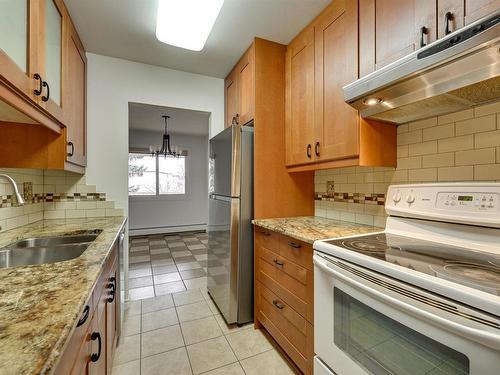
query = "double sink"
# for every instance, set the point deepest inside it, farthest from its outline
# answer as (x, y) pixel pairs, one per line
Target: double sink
(40, 250)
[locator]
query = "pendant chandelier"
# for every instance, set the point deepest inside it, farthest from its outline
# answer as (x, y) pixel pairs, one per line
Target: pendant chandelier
(166, 149)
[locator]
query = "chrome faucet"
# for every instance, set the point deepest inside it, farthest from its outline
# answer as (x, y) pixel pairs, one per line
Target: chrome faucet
(19, 197)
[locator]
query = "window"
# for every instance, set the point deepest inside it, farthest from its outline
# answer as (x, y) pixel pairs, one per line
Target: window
(156, 175)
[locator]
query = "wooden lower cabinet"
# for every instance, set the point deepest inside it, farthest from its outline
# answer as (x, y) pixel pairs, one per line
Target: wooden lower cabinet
(284, 297)
(92, 345)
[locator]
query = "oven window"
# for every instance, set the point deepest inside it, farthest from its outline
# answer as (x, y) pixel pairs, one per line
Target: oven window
(383, 346)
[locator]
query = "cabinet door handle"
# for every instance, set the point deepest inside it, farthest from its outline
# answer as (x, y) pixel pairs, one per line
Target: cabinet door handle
(70, 144)
(308, 151)
(295, 245)
(278, 304)
(112, 285)
(316, 148)
(278, 263)
(85, 316)
(423, 31)
(38, 91)
(46, 98)
(95, 356)
(448, 17)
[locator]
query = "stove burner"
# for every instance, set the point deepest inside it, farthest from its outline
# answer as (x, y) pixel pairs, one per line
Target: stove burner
(478, 273)
(366, 246)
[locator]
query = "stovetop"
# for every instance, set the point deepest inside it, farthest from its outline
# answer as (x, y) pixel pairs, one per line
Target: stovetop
(478, 270)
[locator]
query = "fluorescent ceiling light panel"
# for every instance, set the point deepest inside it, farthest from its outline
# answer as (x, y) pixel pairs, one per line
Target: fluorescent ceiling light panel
(186, 23)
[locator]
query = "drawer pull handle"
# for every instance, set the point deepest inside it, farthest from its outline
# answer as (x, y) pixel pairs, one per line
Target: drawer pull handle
(278, 304)
(112, 286)
(295, 245)
(278, 263)
(85, 315)
(267, 234)
(95, 356)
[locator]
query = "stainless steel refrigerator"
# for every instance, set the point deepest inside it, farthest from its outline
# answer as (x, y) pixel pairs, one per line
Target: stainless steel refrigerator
(230, 212)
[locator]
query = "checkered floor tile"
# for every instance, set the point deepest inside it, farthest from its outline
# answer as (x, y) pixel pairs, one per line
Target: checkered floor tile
(164, 264)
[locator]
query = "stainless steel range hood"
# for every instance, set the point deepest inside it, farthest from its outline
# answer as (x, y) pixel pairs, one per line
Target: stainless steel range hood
(455, 72)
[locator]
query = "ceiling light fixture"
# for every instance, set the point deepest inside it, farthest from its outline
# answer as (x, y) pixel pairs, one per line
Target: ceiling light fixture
(186, 23)
(165, 149)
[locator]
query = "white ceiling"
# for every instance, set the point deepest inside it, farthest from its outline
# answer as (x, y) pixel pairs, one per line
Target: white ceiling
(147, 117)
(126, 29)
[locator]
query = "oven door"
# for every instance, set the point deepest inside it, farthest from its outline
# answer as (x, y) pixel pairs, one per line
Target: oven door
(366, 323)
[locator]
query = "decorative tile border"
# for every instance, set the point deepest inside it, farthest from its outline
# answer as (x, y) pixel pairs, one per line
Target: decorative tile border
(6, 200)
(361, 198)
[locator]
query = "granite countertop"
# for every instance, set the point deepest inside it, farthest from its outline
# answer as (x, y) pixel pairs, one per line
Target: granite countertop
(40, 304)
(312, 228)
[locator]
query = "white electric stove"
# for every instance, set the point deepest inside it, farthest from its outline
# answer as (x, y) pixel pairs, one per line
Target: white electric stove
(421, 297)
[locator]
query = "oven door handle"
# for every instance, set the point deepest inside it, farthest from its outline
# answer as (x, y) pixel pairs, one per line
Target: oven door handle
(486, 338)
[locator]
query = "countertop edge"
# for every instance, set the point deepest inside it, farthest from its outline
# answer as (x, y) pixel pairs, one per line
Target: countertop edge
(349, 227)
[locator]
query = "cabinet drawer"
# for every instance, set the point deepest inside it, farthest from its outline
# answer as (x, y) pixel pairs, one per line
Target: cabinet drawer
(290, 330)
(297, 251)
(291, 269)
(268, 239)
(71, 353)
(294, 293)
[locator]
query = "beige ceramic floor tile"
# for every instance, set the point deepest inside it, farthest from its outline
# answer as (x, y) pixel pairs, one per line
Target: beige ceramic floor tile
(129, 368)
(174, 362)
(157, 303)
(189, 296)
(161, 340)
(132, 308)
(269, 363)
(230, 328)
(210, 354)
(200, 282)
(128, 350)
(193, 311)
(131, 325)
(248, 343)
(200, 330)
(141, 293)
(159, 319)
(232, 369)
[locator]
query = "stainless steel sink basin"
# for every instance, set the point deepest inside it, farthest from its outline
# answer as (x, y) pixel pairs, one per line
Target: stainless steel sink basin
(40, 255)
(40, 250)
(53, 241)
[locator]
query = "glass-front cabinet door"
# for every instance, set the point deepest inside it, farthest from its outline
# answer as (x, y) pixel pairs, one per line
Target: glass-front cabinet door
(17, 58)
(51, 55)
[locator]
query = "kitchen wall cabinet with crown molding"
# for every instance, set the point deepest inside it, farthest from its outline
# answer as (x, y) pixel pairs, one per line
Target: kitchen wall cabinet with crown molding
(240, 91)
(322, 131)
(392, 29)
(42, 82)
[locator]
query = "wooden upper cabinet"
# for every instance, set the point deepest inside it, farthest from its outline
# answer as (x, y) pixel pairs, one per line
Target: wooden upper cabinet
(476, 9)
(336, 64)
(75, 94)
(239, 91)
(18, 54)
(397, 26)
(231, 98)
(299, 99)
(246, 79)
(50, 56)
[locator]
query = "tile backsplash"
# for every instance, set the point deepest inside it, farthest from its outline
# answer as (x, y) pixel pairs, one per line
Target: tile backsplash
(51, 194)
(462, 146)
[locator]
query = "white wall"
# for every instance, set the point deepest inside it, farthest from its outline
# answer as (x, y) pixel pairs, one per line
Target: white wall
(149, 215)
(113, 83)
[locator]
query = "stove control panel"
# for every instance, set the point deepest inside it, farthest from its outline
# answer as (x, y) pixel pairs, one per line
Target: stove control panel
(473, 203)
(468, 201)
